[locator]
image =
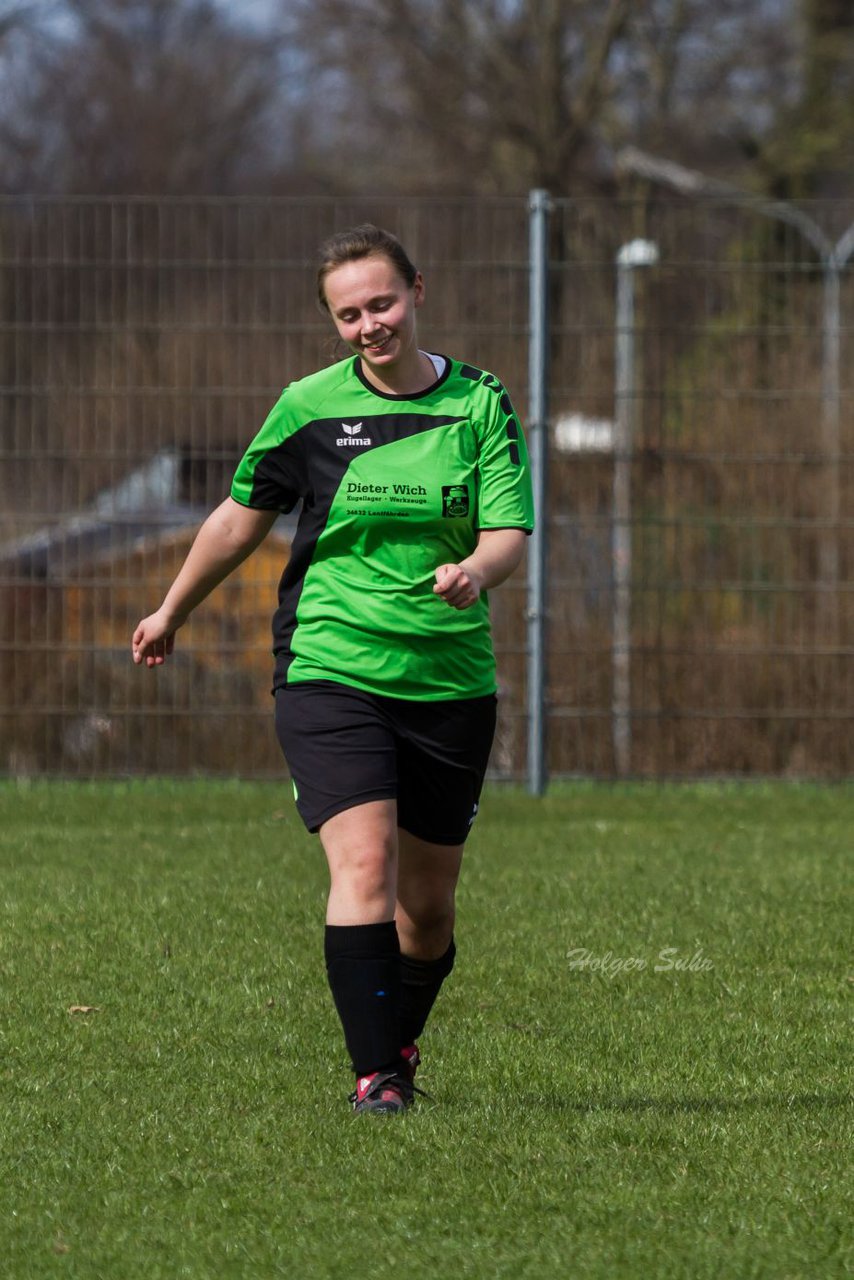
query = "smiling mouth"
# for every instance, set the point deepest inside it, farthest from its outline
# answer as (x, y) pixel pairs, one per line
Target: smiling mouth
(375, 347)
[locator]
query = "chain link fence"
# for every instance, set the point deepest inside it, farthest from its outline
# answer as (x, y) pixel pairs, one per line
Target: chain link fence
(142, 343)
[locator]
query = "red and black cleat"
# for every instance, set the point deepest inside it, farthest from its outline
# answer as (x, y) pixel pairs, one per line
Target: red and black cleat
(385, 1092)
(389, 1092)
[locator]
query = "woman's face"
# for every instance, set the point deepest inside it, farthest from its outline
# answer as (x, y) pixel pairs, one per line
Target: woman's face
(373, 309)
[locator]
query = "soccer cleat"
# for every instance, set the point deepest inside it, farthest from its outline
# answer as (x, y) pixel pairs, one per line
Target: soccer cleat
(387, 1092)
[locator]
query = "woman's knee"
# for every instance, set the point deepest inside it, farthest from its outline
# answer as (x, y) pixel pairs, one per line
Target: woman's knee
(370, 870)
(425, 924)
(431, 914)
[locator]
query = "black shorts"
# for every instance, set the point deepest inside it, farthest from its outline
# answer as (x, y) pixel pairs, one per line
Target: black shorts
(345, 747)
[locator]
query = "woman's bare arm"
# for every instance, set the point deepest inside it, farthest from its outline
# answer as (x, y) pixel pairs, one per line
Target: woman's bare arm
(228, 536)
(497, 554)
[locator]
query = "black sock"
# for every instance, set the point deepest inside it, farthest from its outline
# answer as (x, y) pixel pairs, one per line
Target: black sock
(363, 968)
(420, 981)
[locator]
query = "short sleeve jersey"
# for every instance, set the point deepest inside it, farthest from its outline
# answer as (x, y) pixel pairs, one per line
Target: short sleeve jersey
(391, 488)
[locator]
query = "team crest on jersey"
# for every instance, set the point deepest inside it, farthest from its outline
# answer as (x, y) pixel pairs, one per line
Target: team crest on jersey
(455, 500)
(353, 438)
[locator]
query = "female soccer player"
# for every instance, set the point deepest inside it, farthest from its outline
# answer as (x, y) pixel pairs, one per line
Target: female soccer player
(416, 499)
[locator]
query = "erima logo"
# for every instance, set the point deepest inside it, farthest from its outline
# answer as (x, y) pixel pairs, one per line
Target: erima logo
(352, 438)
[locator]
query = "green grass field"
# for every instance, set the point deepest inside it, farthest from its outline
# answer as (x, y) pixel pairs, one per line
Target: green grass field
(588, 1120)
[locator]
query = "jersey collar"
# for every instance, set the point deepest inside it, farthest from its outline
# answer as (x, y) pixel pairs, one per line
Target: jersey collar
(386, 395)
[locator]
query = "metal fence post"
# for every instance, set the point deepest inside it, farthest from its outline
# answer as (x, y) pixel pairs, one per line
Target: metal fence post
(538, 206)
(834, 263)
(638, 253)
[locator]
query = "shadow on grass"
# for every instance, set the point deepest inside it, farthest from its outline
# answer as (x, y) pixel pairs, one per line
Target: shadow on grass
(675, 1106)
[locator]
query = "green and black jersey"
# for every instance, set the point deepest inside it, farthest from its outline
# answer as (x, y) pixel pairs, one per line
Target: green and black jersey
(391, 487)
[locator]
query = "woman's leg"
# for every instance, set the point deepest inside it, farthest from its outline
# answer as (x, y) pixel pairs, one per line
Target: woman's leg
(442, 753)
(426, 887)
(424, 912)
(361, 942)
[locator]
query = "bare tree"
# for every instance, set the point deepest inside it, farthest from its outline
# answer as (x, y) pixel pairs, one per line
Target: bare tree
(143, 96)
(483, 93)
(702, 79)
(811, 152)
(493, 96)
(19, 24)
(502, 95)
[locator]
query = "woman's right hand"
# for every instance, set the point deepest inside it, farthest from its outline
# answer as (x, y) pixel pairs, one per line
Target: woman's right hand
(154, 639)
(226, 538)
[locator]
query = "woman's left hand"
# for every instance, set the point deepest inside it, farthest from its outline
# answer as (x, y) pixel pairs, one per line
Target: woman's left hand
(458, 587)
